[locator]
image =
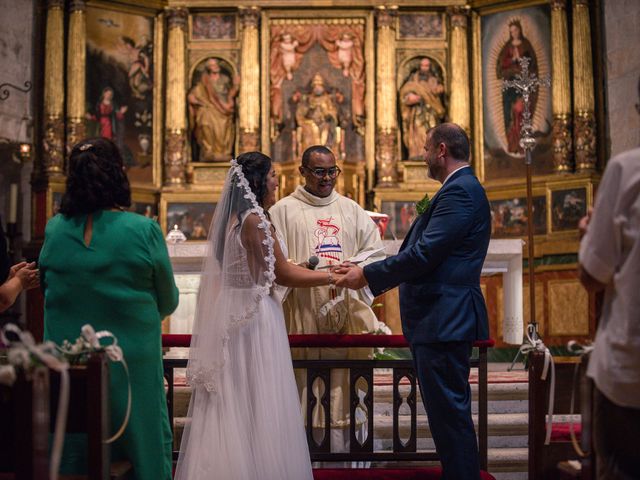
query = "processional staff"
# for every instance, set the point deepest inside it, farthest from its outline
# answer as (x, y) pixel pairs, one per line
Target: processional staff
(526, 84)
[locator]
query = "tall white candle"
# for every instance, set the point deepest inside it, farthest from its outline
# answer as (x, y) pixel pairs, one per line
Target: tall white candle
(13, 203)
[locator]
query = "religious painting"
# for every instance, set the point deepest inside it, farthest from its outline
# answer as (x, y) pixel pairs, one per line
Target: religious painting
(317, 87)
(192, 218)
(401, 215)
(212, 110)
(209, 26)
(421, 98)
(120, 86)
(509, 217)
(507, 37)
(144, 204)
(568, 206)
(420, 26)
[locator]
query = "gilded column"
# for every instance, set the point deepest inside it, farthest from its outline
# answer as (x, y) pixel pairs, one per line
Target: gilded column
(386, 98)
(583, 96)
(76, 61)
(459, 108)
(561, 89)
(53, 151)
(176, 115)
(249, 114)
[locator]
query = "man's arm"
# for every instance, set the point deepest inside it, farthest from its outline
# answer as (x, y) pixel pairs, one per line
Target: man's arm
(447, 227)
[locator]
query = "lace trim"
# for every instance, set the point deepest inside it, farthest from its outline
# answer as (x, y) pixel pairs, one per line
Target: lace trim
(206, 377)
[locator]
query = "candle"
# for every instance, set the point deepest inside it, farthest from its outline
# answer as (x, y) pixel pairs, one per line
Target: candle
(13, 203)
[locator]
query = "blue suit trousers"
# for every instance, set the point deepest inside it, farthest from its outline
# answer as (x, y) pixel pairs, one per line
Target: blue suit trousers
(443, 374)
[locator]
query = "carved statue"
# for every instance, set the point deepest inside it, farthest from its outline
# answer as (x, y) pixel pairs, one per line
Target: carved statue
(345, 52)
(421, 107)
(288, 52)
(211, 112)
(317, 118)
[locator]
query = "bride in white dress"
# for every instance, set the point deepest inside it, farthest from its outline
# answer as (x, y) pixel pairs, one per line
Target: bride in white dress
(244, 416)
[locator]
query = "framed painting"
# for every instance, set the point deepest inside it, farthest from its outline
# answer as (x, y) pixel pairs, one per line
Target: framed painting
(509, 216)
(501, 37)
(568, 206)
(421, 26)
(123, 74)
(191, 213)
(213, 26)
(144, 203)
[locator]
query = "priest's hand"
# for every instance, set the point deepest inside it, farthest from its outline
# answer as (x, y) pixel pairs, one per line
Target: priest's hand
(353, 278)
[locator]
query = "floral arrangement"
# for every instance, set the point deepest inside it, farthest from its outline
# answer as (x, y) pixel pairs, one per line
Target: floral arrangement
(423, 205)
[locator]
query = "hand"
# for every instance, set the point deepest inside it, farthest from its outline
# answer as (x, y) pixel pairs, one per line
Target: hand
(13, 270)
(29, 276)
(353, 278)
(584, 222)
(124, 108)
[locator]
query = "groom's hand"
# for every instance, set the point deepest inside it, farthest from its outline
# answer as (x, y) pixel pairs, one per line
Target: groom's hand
(353, 277)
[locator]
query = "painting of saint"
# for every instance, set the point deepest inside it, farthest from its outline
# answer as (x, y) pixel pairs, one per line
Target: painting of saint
(509, 217)
(120, 86)
(567, 208)
(421, 100)
(508, 37)
(212, 106)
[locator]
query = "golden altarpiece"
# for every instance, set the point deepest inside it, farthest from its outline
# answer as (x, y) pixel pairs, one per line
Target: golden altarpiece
(183, 86)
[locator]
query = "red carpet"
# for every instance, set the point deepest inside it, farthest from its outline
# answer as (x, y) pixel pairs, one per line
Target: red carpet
(432, 473)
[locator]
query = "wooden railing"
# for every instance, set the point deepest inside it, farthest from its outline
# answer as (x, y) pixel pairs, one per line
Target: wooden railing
(362, 450)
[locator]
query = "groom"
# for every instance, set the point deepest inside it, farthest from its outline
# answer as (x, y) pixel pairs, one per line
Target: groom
(438, 269)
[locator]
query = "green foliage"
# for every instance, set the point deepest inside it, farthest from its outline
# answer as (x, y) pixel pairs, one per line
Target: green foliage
(423, 205)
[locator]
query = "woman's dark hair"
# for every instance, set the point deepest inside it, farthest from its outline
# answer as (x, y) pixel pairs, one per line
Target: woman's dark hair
(96, 178)
(256, 167)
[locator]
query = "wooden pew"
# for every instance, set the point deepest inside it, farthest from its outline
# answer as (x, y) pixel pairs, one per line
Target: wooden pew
(89, 413)
(24, 421)
(554, 461)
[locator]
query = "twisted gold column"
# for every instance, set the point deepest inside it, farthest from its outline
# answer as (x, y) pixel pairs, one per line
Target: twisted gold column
(53, 142)
(387, 128)
(459, 108)
(561, 89)
(249, 115)
(76, 78)
(176, 98)
(583, 96)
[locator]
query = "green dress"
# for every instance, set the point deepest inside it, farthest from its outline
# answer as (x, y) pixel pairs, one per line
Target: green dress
(122, 282)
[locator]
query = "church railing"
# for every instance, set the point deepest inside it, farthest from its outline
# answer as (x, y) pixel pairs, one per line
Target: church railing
(360, 449)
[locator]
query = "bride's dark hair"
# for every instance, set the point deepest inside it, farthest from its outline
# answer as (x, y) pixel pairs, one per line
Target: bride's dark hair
(256, 167)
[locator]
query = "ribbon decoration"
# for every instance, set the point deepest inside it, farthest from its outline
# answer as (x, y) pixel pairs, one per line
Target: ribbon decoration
(20, 355)
(537, 344)
(581, 351)
(114, 353)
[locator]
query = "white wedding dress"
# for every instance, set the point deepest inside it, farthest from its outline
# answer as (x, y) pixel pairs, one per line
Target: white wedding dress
(245, 419)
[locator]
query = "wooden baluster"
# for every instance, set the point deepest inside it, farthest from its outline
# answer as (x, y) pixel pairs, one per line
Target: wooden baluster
(367, 375)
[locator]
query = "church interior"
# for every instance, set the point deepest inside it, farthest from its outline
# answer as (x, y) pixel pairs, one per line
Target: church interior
(182, 87)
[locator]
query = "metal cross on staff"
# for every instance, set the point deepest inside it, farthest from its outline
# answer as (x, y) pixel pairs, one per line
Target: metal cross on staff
(526, 84)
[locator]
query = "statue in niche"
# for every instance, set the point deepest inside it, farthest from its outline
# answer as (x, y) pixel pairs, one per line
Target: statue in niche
(421, 106)
(212, 110)
(317, 115)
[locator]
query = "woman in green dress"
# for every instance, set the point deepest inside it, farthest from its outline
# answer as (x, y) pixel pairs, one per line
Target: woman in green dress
(110, 268)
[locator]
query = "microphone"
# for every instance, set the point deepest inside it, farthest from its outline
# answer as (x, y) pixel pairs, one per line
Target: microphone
(313, 262)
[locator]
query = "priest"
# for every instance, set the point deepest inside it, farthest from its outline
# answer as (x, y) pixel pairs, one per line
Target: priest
(316, 221)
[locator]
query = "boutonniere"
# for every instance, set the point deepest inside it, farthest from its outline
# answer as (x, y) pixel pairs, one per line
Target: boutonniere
(423, 205)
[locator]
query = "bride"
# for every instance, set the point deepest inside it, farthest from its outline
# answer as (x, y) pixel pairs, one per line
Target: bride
(244, 416)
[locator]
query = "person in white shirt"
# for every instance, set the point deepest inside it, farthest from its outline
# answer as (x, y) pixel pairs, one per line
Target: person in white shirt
(610, 262)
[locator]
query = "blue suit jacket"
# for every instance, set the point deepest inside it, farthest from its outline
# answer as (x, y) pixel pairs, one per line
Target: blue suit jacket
(438, 266)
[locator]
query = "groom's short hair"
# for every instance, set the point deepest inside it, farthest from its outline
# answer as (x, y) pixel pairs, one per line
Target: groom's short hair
(454, 137)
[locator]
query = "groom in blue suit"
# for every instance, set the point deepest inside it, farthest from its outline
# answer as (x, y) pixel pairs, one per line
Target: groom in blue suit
(442, 308)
